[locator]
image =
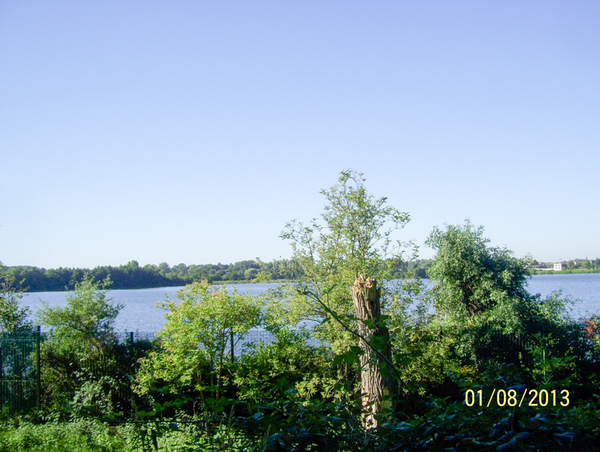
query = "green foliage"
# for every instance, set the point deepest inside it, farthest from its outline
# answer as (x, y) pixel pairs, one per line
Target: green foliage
(474, 279)
(450, 425)
(414, 268)
(354, 238)
(129, 276)
(269, 370)
(12, 316)
(86, 322)
(84, 368)
(479, 295)
(296, 424)
(85, 435)
(195, 337)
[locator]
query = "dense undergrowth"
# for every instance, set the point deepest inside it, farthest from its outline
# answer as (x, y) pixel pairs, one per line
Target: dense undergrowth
(289, 395)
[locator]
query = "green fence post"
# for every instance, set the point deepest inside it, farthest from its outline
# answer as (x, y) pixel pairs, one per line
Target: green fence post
(39, 367)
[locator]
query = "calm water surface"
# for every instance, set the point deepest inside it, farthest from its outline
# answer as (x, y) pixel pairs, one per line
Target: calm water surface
(139, 313)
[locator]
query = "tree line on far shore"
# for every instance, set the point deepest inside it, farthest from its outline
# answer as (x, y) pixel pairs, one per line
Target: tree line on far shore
(134, 276)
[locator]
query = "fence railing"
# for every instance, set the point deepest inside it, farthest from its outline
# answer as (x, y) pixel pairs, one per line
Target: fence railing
(21, 362)
(20, 370)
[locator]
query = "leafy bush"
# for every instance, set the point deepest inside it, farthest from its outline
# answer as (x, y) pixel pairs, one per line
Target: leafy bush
(194, 341)
(270, 370)
(85, 369)
(13, 317)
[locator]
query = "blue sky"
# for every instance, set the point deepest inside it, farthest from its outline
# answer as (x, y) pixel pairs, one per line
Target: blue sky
(193, 131)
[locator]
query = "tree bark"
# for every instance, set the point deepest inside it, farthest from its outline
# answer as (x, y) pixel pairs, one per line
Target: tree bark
(374, 385)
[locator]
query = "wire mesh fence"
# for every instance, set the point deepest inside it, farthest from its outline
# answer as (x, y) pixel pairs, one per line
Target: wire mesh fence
(132, 337)
(19, 370)
(498, 348)
(21, 362)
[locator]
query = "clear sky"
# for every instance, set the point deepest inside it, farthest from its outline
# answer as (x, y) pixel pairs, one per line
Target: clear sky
(192, 131)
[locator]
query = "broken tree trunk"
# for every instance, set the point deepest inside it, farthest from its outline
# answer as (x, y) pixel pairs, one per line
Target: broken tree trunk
(374, 385)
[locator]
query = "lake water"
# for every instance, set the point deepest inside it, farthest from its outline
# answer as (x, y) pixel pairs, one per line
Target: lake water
(140, 315)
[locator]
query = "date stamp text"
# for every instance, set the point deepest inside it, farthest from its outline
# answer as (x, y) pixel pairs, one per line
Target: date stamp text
(511, 398)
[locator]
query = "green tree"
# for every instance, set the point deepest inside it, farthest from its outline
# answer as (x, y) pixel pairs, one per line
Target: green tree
(164, 269)
(340, 258)
(478, 289)
(87, 319)
(472, 278)
(196, 335)
(354, 239)
(82, 341)
(13, 317)
(250, 273)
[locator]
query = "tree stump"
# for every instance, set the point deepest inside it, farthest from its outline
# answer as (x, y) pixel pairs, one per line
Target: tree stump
(374, 385)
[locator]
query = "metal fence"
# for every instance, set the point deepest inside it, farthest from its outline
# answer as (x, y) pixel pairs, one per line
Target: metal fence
(21, 367)
(20, 370)
(21, 364)
(132, 337)
(498, 348)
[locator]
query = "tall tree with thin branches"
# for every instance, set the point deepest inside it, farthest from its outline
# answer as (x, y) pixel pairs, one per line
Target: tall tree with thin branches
(343, 257)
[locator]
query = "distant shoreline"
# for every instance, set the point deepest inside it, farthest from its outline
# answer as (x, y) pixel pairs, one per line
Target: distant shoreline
(272, 281)
(563, 272)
